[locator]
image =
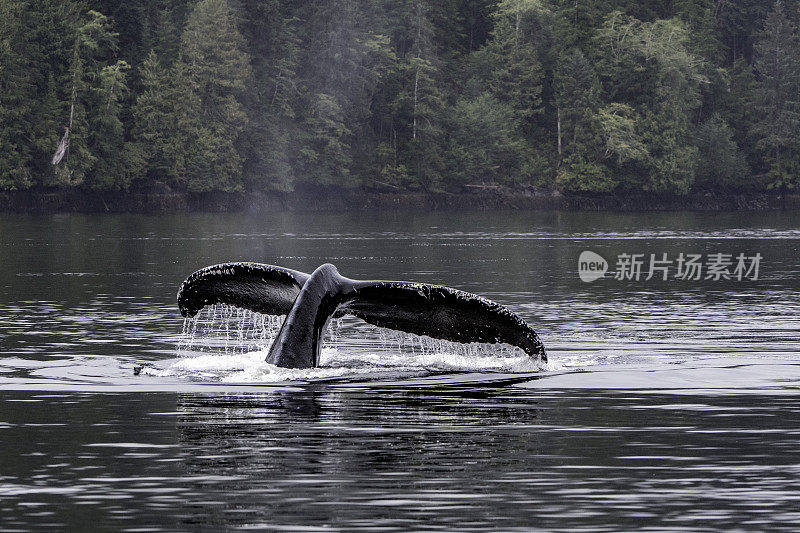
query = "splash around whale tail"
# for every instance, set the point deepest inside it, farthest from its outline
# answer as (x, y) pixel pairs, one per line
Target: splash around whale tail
(309, 301)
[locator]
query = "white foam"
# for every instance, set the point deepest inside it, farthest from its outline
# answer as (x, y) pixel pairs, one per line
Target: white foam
(219, 362)
(334, 362)
(230, 345)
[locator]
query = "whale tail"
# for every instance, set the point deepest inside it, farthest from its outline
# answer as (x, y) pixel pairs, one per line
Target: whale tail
(266, 289)
(309, 301)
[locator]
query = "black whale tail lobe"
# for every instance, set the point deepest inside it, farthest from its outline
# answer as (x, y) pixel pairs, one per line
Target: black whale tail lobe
(309, 301)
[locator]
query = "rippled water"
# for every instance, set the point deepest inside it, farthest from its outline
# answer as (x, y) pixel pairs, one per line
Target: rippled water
(665, 404)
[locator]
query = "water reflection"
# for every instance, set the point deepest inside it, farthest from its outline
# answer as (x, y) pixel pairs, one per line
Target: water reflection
(480, 460)
(331, 456)
(675, 406)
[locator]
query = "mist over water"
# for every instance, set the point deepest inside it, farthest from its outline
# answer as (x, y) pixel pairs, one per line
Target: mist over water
(664, 404)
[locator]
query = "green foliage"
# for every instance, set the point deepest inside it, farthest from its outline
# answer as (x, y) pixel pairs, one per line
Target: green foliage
(344, 56)
(720, 162)
(618, 124)
(424, 105)
(412, 109)
(217, 70)
(510, 62)
(577, 96)
(106, 128)
(96, 85)
(164, 124)
(326, 155)
(242, 95)
(15, 85)
(579, 175)
(665, 94)
(392, 173)
(736, 107)
(273, 97)
(485, 142)
(739, 22)
(698, 17)
(777, 100)
(581, 127)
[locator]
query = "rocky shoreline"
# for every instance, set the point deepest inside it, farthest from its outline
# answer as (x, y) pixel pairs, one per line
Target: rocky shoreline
(335, 199)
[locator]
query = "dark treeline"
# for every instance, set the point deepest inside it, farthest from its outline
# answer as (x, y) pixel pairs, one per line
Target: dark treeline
(236, 95)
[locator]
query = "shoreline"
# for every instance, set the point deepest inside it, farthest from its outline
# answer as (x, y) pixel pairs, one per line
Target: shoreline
(44, 201)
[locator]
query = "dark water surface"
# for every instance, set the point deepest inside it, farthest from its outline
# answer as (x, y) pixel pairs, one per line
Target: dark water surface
(666, 405)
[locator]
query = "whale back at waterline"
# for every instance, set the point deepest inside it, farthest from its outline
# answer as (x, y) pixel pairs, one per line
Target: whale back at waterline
(309, 302)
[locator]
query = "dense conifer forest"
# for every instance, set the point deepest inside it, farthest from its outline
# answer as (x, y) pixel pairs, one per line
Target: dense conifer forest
(242, 95)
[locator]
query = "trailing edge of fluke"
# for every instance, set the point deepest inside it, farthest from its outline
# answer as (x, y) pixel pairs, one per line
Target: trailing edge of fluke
(309, 301)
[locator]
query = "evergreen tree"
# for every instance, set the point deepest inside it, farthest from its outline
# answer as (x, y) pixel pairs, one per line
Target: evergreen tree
(736, 108)
(239, 95)
(510, 61)
(577, 92)
(423, 99)
(485, 143)
(270, 149)
(648, 66)
(476, 18)
(346, 58)
(739, 23)
(16, 91)
(165, 125)
(93, 106)
(218, 70)
(720, 162)
(777, 100)
(107, 133)
(698, 17)
(326, 153)
(51, 29)
(511, 67)
(578, 21)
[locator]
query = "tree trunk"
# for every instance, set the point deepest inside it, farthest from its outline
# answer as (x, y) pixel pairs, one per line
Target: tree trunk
(416, 85)
(63, 145)
(558, 128)
(418, 45)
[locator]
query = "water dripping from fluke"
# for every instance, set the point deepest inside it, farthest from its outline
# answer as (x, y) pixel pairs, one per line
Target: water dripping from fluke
(226, 329)
(224, 343)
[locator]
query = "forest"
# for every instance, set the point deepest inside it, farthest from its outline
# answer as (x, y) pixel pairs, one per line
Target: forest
(605, 96)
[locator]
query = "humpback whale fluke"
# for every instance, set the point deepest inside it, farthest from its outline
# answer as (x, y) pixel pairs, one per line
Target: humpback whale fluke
(309, 301)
